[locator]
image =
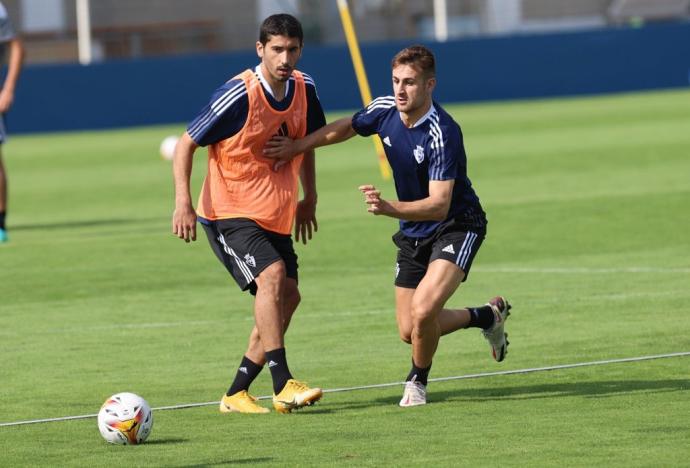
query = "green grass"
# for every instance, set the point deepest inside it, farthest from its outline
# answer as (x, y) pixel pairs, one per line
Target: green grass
(589, 236)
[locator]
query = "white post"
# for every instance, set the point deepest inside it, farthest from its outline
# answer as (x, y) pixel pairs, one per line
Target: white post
(441, 20)
(84, 32)
(501, 16)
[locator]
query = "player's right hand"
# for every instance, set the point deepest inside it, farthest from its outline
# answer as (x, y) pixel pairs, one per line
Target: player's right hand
(184, 223)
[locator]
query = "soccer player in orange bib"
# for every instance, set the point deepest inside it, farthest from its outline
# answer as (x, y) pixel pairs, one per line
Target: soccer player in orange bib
(248, 206)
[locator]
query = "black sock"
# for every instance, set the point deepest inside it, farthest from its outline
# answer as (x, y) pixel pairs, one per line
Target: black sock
(246, 373)
(481, 317)
(277, 364)
(418, 374)
(2, 219)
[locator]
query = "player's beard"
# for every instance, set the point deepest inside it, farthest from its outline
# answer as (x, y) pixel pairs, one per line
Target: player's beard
(283, 77)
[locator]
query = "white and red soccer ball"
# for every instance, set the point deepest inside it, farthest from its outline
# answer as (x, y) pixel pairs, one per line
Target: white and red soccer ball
(125, 419)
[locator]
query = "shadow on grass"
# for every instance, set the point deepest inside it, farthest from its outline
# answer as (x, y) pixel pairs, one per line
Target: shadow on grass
(600, 389)
(84, 223)
(165, 441)
(526, 392)
(240, 461)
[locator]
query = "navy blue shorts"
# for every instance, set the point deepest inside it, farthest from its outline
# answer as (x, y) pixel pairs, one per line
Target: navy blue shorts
(452, 241)
(246, 249)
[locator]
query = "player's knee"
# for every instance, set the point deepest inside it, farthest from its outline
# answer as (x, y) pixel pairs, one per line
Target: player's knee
(420, 313)
(406, 335)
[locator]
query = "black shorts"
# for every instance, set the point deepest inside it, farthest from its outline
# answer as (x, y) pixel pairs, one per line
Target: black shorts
(452, 241)
(246, 249)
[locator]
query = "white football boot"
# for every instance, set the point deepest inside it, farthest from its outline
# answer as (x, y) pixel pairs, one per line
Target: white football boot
(495, 334)
(414, 394)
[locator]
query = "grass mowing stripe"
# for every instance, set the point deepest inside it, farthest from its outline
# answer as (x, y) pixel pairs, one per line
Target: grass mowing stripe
(538, 270)
(582, 270)
(390, 384)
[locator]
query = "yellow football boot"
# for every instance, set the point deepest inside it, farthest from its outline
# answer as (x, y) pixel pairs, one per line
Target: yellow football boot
(295, 395)
(241, 402)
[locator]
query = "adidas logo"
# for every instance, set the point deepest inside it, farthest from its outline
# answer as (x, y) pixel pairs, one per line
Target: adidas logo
(387, 141)
(272, 363)
(243, 370)
(283, 130)
(449, 249)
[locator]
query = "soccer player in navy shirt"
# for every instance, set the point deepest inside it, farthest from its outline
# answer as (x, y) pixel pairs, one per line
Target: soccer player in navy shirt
(442, 223)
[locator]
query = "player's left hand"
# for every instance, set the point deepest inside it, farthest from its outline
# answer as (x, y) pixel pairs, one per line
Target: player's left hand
(305, 220)
(280, 147)
(372, 197)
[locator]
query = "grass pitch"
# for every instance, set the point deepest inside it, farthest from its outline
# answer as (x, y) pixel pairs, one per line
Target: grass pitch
(588, 204)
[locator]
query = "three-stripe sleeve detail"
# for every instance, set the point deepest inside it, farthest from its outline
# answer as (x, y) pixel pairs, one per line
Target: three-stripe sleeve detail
(384, 102)
(216, 109)
(437, 147)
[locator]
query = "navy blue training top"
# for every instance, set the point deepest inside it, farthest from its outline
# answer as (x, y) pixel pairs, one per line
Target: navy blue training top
(430, 150)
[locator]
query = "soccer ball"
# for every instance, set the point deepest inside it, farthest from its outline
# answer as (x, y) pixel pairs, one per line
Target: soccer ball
(167, 148)
(125, 419)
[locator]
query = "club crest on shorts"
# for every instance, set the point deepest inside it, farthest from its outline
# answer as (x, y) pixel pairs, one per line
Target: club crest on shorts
(419, 154)
(249, 260)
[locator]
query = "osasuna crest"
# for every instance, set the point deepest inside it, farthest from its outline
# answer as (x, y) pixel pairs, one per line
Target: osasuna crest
(249, 260)
(419, 154)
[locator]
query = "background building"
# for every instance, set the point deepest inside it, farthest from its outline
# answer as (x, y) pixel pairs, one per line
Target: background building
(136, 28)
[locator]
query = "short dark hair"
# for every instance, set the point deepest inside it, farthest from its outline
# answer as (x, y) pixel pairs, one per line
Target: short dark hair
(280, 25)
(419, 56)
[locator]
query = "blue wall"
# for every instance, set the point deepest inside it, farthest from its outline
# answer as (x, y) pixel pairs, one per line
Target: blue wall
(172, 90)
